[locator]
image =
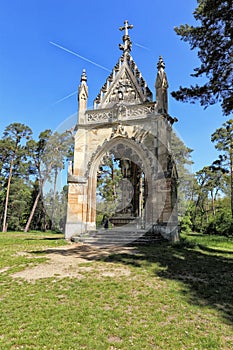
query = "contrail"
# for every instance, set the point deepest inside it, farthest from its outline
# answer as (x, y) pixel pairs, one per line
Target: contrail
(143, 47)
(83, 58)
(64, 98)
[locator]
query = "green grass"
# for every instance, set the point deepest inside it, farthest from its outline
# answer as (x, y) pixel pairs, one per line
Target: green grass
(217, 243)
(175, 297)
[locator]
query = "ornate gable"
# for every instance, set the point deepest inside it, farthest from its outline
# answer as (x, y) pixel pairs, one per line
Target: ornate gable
(125, 83)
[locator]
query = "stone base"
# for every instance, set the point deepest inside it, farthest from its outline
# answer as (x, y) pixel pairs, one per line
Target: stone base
(169, 231)
(74, 229)
(121, 220)
(78, 229)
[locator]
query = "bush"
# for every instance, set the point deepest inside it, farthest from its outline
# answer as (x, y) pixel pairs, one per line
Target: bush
(186, 223)
(221, 224)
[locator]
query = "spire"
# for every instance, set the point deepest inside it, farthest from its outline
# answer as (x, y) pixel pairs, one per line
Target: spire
(127, 44)
(161, 86)
(125, 84)
(82, 95)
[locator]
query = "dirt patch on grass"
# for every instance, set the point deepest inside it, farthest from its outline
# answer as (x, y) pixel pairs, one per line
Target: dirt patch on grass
(75, 260)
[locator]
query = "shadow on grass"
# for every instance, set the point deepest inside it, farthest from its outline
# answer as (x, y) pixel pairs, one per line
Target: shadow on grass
(207, 274)
(215, 250)
(45, 239)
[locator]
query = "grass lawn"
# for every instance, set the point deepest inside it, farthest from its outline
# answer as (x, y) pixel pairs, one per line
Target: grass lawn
(160, 297)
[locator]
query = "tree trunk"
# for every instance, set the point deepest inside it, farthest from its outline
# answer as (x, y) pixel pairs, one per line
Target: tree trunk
(33, 210)
(54, 198)
(42, 182)
(231, 187)
(4, 226)
(195, 213)
(213, 203)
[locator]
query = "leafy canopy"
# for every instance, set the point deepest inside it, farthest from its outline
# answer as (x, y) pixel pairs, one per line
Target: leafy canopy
(213, 38)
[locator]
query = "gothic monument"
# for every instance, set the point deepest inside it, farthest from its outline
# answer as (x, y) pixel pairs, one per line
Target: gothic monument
(136, 130)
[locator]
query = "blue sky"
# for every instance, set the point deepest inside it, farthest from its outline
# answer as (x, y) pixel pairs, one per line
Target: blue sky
(36, 76)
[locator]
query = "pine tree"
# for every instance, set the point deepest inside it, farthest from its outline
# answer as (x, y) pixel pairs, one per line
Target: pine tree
(223, 139)
(49, 153)
(14, 155)
(213, 38)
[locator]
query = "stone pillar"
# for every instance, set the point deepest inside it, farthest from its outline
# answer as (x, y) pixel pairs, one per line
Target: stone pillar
(77, 208)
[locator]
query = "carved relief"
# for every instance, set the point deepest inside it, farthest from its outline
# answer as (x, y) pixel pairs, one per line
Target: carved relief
(120, 112)
(118, 130)
(139, 134)
(138, 111)
(124, 90)
(100, 116)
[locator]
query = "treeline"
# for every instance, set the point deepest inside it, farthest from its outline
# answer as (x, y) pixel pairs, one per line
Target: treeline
(209, 208)
(27, 166)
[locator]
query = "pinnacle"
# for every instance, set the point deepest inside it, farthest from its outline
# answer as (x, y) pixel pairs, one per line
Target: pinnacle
(160, 63)
(83, 76)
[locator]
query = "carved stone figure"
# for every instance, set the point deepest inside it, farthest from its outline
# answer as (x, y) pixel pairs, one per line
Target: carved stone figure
(161, 86)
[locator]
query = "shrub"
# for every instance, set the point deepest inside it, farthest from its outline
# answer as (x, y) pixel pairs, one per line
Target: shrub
(221, 224)
(186, 223)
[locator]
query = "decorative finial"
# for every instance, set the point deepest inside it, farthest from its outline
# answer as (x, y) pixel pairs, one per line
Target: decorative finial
(83, 76)
(160, 64)
(161, 85)
(126, 47)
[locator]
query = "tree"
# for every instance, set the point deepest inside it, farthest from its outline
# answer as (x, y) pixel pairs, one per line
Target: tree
(13, 158)
(108, 177)
(56, 169)
(213, 39)
(223, 139)
(19, 204)
(40, 220)
(37, 150)
(56, 208)
(49, 153)
(209, 183)
(182, 157)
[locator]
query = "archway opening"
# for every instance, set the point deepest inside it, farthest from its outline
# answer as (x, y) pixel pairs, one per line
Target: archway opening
(121, 190)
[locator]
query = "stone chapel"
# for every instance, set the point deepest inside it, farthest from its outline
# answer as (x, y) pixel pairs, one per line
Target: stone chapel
(127, 123)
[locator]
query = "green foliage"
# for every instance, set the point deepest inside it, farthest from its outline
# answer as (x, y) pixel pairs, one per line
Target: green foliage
(212, 37)
(19, 204)
(49, 156)
(223, 139)
(209, 200)
(221, 224)
(40, 220)
(13, 160)
(186, 223)
(56, 207)
(181, 155)
(213, 189)
(108, 177)
(25, 166)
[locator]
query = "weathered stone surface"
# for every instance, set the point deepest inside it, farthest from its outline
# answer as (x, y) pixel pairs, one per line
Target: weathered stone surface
(126, 122)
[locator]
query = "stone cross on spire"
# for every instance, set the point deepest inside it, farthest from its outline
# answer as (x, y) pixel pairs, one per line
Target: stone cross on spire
(126, 47)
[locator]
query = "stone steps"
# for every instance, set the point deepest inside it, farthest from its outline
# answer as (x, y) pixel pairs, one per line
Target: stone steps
(119, 237)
